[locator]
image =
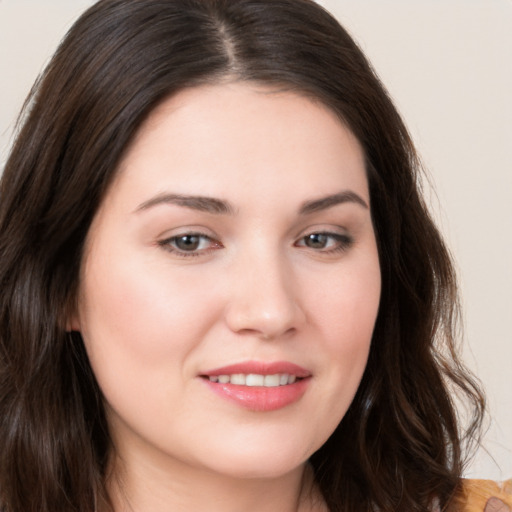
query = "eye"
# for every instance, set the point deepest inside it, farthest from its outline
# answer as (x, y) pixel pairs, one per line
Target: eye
(325, 242)
(190, 244)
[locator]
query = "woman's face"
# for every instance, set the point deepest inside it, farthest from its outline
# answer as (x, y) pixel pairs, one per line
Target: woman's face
(231, 283)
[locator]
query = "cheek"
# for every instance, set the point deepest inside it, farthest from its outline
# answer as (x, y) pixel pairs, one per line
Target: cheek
(139, 326)
(345, 313)
(138, 308)
(346, 309)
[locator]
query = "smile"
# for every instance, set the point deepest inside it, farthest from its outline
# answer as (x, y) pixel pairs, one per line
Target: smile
(259, 386)
(255, 380)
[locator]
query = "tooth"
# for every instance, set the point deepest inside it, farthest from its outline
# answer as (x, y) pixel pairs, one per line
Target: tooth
(271, 381)
(238, 378)
(254, 380)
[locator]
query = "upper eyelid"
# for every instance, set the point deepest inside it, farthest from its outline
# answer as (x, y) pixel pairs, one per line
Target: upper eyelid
(186, 230)
(203, 231)
(329, 229)
(191, 231)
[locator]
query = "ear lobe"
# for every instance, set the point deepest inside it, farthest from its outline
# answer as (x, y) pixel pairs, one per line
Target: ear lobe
(73, 323)
(72, 319)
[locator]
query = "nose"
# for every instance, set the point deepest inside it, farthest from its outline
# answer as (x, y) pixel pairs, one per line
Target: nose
(264, 298)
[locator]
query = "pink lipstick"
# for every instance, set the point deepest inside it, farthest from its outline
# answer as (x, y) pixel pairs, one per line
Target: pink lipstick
(259, 386)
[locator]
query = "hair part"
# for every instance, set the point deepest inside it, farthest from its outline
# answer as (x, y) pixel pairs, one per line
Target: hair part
(399, 446)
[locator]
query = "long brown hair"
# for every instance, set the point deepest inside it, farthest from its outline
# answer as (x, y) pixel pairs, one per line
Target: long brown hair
(399, 446)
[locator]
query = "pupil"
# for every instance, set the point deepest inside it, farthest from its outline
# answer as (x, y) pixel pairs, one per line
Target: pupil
(187, 242)
(316, 241)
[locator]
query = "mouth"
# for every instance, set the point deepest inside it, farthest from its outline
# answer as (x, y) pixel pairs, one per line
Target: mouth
(255, 380)
(259, 386)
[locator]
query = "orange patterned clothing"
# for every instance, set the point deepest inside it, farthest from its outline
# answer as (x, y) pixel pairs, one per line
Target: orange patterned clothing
(485, 496)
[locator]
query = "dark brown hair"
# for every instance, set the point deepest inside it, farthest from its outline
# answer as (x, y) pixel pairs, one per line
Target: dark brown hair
(399, 445)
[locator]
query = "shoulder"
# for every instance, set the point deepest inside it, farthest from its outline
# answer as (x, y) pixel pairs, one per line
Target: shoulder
(484, 496)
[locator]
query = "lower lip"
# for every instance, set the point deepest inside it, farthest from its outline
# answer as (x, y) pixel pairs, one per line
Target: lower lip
(259, 398)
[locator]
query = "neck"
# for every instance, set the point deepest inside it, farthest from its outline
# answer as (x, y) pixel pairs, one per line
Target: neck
(151, 489)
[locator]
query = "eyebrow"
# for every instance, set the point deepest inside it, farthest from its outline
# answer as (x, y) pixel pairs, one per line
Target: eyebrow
(221, 207)
(201, 203)
(324, 203)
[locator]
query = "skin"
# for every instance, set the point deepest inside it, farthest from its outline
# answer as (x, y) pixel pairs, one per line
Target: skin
(259, 286)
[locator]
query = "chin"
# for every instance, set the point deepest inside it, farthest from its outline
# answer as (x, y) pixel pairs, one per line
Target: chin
(261, 460)
(258, 469)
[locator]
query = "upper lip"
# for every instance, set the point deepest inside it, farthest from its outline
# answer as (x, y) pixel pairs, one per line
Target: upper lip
(260, 368)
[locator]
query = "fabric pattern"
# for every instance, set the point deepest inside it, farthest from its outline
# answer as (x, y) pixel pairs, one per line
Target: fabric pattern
(486, 496)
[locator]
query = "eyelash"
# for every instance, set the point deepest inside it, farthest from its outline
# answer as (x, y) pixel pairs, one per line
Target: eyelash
(169, 245)
(342, 243)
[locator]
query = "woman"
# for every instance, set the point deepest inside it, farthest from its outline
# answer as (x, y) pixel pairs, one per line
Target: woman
(221, 287)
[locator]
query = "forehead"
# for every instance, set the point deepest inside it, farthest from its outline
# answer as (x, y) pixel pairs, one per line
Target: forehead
(241, 134)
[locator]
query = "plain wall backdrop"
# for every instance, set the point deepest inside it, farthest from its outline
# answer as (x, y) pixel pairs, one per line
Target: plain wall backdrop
(448, 66)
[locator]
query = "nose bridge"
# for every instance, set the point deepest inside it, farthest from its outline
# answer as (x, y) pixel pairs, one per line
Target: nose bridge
(263, 298)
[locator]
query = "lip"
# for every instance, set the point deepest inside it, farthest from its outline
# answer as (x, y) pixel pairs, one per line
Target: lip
(260, 399)
(260, 368)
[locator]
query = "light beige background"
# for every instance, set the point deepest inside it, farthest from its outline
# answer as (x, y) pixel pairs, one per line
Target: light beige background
(448, 65)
